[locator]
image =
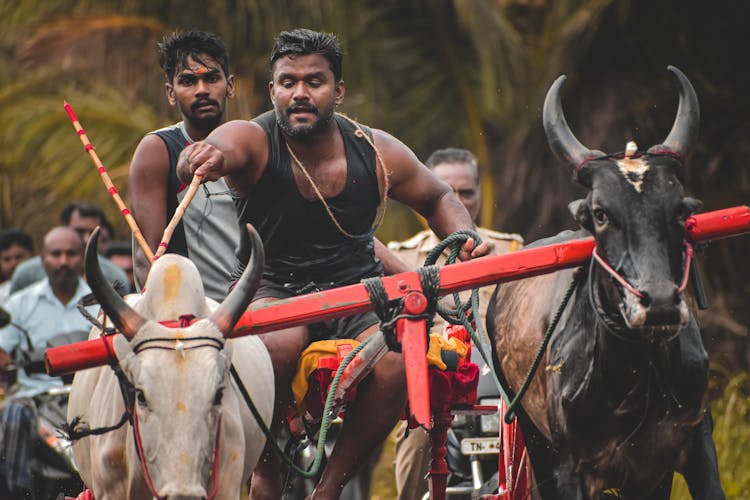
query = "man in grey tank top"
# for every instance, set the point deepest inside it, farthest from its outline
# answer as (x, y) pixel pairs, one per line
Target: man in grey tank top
(198, 83)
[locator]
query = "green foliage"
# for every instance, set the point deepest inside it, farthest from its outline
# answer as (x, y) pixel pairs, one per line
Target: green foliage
(731, 415)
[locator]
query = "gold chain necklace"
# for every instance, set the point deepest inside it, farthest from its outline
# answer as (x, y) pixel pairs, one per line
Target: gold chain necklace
(381, 207)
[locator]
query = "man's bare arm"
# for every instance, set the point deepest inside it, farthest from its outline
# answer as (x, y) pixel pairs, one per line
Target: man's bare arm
(415, 185)
(149, 177)
(237, 150)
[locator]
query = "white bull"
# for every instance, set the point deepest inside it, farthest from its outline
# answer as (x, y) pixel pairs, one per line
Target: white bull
(187, 424)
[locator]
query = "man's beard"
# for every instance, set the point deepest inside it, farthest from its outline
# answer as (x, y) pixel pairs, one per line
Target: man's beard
(305, 132)
(206, 122)
(64, 279)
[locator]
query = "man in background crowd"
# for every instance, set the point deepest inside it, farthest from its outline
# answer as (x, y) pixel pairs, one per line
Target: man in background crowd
(16, 247)
(82, 217)
(120, 253)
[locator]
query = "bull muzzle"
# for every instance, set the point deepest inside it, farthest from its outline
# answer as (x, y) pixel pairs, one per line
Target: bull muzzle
(660, 305)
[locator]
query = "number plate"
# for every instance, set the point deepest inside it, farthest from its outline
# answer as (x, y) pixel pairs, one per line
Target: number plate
(480, 446)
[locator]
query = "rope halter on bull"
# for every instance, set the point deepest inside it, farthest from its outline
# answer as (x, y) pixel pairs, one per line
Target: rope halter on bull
(689, 271)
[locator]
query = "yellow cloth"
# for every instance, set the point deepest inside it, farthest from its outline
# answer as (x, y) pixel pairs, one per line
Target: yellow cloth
(308, 363)
(438, 344)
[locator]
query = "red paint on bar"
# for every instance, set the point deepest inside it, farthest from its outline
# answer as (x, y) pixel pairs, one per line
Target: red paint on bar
(69, 110)
(353, 299)
(113, 190)
(125, 211)
(101, 170)
(88, 147)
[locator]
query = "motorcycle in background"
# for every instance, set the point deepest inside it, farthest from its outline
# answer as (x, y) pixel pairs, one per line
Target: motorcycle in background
(53, 470)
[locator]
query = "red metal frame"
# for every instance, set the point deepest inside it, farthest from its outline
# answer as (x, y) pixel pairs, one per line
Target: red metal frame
(354, 299)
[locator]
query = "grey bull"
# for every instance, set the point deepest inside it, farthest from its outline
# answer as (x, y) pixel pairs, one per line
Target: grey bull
(190, 436)
(620, 400)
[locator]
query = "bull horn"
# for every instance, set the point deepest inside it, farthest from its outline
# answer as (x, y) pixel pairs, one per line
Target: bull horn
(561, 140)
(125, 318)
(229, 312)
(686, 121)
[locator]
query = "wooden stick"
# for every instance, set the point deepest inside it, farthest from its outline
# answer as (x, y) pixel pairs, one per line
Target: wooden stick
(178, 213)
(108, 182)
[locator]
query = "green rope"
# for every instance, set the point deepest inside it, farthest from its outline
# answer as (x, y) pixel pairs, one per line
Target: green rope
(511, 413)
(325, 423)
(458, 315)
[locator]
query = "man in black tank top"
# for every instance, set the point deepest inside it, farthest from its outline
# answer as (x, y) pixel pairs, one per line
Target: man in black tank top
(196, 66)
(312, 183)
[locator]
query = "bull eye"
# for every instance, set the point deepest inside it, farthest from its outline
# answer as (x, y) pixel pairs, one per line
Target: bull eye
(219, 395)
(140, 397)
(600, 216)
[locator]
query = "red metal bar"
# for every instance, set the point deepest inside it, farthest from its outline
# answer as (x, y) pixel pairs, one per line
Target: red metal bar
(412, 333)
(719, 224)
(353, 299)
(437, 478)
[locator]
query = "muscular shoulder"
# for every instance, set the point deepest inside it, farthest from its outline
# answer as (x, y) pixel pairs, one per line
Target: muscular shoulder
(392, 149)
(150, 157)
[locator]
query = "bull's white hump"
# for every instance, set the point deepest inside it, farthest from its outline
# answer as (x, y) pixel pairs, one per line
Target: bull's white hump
(173, 289)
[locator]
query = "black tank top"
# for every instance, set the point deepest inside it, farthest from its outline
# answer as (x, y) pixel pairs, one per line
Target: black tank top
(301, 242)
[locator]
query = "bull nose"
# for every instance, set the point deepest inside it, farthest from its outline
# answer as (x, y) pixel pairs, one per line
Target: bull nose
(663, 304)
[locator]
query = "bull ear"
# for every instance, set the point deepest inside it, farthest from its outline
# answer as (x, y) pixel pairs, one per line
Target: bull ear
(228, 313)
(691, 205)
(580, 211)
(687, 207)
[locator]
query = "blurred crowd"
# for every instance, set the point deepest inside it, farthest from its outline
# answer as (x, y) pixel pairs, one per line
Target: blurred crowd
(21, 266)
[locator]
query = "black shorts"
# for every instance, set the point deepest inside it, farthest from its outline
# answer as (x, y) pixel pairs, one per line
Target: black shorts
(348, 327)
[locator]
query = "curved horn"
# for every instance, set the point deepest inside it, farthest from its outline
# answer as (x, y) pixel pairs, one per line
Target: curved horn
(127, 321)
(686, 122)
(229, 312)
(561, 140)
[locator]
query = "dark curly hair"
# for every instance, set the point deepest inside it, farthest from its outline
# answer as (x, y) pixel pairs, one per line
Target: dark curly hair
(302, 41)
(175, 49)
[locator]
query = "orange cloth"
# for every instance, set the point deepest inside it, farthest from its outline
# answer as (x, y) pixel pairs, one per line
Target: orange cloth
(308, 363)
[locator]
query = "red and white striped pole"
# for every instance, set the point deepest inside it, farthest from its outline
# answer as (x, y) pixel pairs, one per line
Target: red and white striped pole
(108, 182)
